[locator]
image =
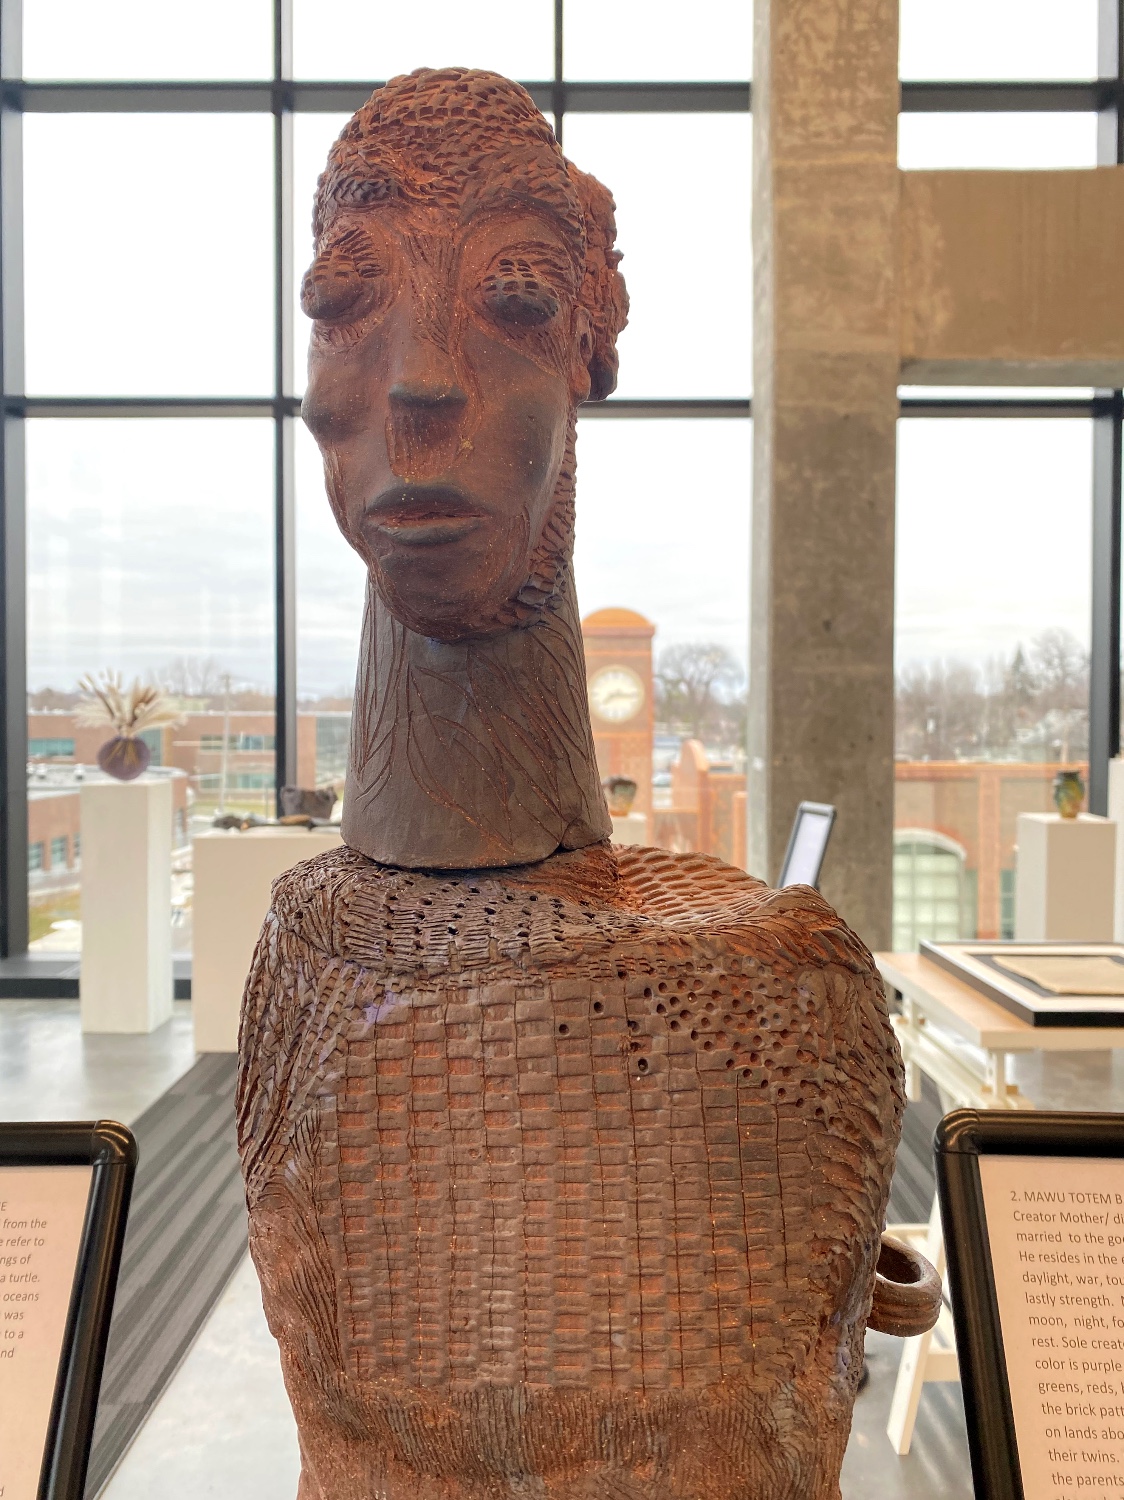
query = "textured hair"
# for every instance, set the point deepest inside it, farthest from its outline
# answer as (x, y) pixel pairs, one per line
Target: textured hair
(462, 140)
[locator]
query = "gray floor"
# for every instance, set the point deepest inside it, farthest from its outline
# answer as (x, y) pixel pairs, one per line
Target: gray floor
(936, 1466)
(49, 1070)
(223, 1427)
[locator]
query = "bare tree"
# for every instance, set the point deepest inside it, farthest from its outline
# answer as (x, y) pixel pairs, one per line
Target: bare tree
(1033, 704)
(193, 677)
(1059, 667)
(49, 699)
(1060, 672)
(940, 711)
(699, 690)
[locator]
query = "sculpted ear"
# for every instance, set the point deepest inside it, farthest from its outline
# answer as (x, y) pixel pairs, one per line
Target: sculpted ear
(581, 354)
(603, 292)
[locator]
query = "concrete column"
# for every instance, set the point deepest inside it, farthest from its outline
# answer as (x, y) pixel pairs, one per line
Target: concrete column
(826, 342)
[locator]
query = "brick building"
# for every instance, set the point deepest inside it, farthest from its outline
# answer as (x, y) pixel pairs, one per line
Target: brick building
(954, 844)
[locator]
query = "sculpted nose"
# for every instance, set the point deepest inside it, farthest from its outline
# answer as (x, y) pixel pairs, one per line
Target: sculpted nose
(427, 405)
(423, 393)
(423, 375)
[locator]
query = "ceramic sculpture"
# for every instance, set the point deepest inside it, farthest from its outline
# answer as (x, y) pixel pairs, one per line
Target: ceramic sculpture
(129, 712)
(566, 1166)
(1069, 793)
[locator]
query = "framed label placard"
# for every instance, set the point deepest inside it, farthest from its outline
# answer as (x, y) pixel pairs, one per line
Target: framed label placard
(1032, 1206)
(64, 1197)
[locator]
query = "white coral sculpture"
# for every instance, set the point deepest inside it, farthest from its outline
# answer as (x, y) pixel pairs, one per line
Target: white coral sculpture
(128, 711)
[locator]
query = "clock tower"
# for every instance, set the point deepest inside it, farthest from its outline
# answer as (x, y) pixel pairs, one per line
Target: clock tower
(618, 665)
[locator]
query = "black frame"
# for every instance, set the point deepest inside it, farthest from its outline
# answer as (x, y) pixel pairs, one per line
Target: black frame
(111, 1150)
(942, 953)
(961, 1138)
(282, 96)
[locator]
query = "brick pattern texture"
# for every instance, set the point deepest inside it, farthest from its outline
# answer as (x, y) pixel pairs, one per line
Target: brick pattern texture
(565, 1181)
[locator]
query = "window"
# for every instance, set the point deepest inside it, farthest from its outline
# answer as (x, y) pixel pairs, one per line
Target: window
(994, 559)
(48, 749)
(162, 432)
(996, 494)
(59, 859)
(154, 739)
(35, 856)
(257, 742)
(1002, 39)
(932, 889)
(213, 786)
(333, 731)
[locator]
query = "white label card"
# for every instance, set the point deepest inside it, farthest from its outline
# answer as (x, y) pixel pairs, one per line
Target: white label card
(1055, 1227)
(42, 1210)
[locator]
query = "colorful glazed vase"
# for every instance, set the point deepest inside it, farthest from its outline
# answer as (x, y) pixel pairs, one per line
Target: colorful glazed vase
(620, 793)
(1069, 793)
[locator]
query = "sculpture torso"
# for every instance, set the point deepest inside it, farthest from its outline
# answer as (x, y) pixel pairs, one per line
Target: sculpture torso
(565, 1180)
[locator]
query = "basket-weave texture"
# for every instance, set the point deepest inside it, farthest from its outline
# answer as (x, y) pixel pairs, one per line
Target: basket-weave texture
(565, 1180)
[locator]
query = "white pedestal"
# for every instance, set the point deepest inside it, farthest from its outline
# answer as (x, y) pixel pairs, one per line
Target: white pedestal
(233, 875)
(126, 981)
(1116, 813)
(631, 829)
(1065, 878)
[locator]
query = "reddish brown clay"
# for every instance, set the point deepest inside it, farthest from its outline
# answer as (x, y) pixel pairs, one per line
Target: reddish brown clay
(566, 1165)
(907, 1291)
(466, 299)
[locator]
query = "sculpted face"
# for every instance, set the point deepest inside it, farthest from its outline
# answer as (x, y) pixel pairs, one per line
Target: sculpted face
(445, 365)
(465, 300)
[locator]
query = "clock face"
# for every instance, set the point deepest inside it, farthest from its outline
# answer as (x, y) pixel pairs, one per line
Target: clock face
(616, 694)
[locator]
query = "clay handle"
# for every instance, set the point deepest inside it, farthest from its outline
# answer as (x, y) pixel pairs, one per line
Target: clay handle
(907, 1291)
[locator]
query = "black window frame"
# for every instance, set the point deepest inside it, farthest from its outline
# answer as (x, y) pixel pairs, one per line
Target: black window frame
(284, 96)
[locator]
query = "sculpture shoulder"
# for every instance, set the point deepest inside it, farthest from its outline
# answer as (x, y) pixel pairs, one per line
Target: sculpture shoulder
(347, 907)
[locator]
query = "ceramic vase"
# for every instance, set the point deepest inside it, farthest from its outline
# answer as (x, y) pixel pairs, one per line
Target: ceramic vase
(620, 793)
(1069, 793)
(124, 757)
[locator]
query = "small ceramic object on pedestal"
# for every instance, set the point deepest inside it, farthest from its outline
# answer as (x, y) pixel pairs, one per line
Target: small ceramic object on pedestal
(129, 711)
(620, 793)
(126, 976)
(124, 757)
(1069, 793)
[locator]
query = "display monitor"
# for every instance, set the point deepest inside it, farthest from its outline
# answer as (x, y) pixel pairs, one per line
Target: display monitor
(807, 844)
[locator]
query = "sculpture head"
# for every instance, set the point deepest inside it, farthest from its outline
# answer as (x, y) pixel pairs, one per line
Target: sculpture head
(465, 300)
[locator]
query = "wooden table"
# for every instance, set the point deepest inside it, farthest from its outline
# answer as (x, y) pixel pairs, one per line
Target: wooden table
(945, 1025)
(961, 1040)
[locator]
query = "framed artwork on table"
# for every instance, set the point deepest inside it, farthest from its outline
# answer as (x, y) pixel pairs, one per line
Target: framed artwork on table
(1044, 984)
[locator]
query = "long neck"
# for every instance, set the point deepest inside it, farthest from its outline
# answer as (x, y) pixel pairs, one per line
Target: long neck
(473, 755)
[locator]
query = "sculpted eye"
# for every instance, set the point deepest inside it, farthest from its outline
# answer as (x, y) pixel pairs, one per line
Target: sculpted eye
(344, 279)
(515, 293)
(330, 291)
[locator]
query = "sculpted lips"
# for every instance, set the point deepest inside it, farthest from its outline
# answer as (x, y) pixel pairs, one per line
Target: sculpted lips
(422, 515)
